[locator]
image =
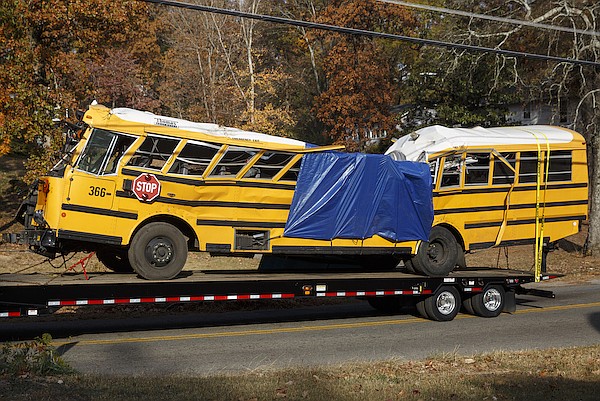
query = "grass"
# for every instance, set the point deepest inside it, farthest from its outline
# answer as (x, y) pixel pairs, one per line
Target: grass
(558, 374)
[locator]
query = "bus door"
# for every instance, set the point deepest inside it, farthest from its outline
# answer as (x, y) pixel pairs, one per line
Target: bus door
(92, 182)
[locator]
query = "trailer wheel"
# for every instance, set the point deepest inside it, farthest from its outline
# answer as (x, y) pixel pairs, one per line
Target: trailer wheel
(442, 306)
(488, 303)
(158, 251)
(439, 256)
(114, 259)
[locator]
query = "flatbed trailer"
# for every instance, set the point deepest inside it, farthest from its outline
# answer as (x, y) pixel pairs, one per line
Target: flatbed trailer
(484, 292)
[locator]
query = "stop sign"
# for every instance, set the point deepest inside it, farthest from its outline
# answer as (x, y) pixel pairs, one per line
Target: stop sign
(146, 187)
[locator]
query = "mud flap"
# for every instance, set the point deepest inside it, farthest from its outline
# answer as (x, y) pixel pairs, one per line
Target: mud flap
(510, 301)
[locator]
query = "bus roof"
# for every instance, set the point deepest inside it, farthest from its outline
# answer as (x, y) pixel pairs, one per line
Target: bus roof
(100, 116)
(418, 145)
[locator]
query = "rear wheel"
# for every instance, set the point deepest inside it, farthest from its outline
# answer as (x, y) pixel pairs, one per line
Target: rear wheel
(489, 303)
(114, 259)
(158, 251)
(442, 306)
(439, 256)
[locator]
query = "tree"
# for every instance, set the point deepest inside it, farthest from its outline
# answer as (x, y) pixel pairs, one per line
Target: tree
(363, 75)
(56, 56)
(557, 84)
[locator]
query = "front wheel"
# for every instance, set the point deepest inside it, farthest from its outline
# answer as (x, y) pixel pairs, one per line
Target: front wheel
(158, 251)
(439, 256)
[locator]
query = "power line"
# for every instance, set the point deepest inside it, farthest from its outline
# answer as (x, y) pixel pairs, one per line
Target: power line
(362, 32)
(492, 18)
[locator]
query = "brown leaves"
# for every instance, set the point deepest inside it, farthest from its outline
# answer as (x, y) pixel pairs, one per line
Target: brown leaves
(361, 85)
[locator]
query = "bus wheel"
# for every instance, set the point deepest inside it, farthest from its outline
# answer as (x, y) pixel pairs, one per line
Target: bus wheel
(442, 306)
(114, 259)
(158, 251)
(439, 256)
(488, 303)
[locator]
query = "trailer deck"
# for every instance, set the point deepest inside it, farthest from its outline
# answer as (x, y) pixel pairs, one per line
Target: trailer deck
(33, 294)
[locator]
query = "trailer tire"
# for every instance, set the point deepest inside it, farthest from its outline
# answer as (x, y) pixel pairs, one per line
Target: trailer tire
(439, 256)
(158, 251)
(444, 305)
(420, 305)
(114, 259)
(490, 302)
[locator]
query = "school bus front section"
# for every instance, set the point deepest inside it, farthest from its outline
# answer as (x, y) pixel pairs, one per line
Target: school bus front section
(141, 190)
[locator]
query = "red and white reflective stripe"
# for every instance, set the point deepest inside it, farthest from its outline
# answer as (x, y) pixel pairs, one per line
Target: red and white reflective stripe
(371, 293)
(473, 289)
(30, 312)
(10, 314)
(151, 300)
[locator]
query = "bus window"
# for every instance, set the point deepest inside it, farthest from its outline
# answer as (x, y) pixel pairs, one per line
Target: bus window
(121, 145)
(104, 148)
(452, 171)
(502, 173)
(232, 161)
(528, 167)
(269, 164)
(194, 158)
(433, 169)
(95, 151)
(292, 173)
(154, 152)
(560, 168)
(477, 168)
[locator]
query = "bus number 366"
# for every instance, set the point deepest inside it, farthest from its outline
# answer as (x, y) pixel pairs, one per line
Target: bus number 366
(97, 191)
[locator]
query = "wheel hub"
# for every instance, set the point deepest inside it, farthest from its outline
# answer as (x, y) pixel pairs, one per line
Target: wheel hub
(492, 299)
(435, 251)
(159, 252)
(445, 303)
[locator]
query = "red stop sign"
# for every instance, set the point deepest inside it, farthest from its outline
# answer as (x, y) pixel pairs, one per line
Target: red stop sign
(146, 187)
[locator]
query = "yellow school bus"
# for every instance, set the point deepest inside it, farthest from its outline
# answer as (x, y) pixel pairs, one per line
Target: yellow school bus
(141, 190)
(497, 187)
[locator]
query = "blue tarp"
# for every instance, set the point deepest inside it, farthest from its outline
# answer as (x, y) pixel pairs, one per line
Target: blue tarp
(356, 196)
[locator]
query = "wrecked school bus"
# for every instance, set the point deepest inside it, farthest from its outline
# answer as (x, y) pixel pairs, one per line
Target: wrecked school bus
(141, 190)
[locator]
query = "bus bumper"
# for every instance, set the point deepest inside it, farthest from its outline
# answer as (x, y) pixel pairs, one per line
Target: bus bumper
(40, 241)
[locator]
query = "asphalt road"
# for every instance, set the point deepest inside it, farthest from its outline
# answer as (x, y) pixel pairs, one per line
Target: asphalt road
(204, 344)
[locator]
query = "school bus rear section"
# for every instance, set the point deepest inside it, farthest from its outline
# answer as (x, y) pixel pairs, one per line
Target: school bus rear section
(499, 186)
(141, 190)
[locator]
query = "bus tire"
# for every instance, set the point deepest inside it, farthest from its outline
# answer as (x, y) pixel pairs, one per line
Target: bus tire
(444, 305)
(439, 256)
(114, 259)
(158, 251)
(490, 302)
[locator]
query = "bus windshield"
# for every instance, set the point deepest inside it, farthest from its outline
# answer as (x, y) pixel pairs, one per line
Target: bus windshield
(103, 151)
